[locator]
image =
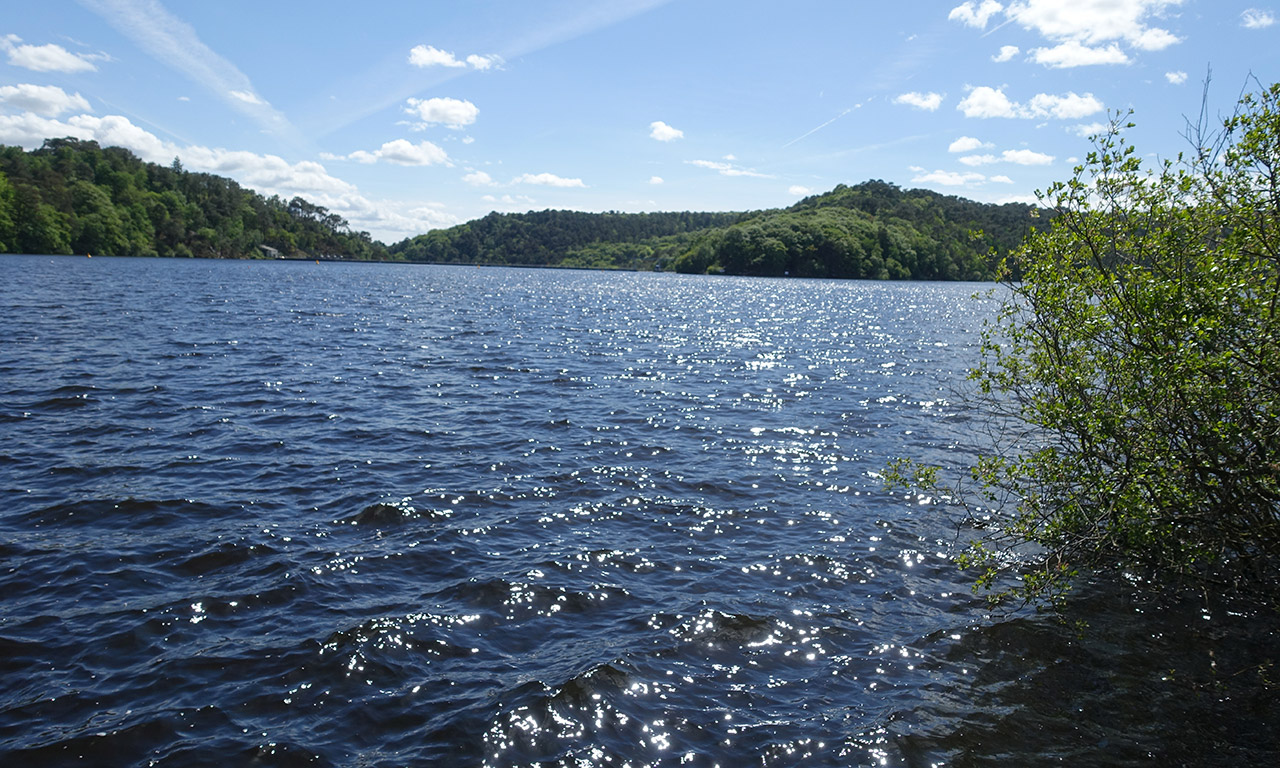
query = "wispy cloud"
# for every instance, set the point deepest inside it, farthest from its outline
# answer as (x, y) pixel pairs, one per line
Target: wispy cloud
(174, 43)
(1256, 18)
(728, 169)
(248, 97)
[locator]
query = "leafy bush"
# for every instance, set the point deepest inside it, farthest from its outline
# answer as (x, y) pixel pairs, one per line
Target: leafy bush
(1135, 371)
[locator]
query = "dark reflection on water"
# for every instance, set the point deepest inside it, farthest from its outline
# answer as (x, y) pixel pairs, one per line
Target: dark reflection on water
(299, 514)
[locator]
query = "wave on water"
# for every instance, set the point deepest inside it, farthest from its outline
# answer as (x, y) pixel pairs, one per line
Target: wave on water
(383, 516)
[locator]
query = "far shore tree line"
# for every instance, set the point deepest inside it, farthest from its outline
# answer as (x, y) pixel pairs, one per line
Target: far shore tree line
(74, 196)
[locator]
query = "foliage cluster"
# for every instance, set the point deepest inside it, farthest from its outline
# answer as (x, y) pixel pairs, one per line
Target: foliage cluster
(1136, 366)
(72, 196)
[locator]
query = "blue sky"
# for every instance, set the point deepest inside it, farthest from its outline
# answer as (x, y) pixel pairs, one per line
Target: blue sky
(405, 116)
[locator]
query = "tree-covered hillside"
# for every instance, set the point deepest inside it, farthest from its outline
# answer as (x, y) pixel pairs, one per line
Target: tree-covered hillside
(873, 230)
(563, 238)
(72, 196)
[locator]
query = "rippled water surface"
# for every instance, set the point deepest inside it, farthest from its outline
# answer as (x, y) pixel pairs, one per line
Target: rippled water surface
(338, 514)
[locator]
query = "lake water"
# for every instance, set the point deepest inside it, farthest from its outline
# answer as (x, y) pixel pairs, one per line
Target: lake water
(377, 515)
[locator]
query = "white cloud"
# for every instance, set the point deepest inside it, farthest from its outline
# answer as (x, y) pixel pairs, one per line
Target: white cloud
(985, 102)
(399, 152)
(547, 180)
(1069, 106)
(662, 132)
(248, 97)
(402, 152)
(478, 179)
(1006, 53)
(728, 169)
(796, 189)
(1072, 53)
(430, 56)
(950, 178)
(1015, 156)
(46, 58)
(1085, 130)
(926, 101)
(973, 14)
(1176, 78)
(1001, 179)
(1155, 40)
(523, 200)
(454, 113)
(655, 180)
(482, 63)
(1026, 157)
(1093, 22)
(1256, 18)
(967, 144)
(44, 100)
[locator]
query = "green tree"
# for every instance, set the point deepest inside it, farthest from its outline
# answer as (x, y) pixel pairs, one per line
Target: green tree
(1136, 367)
(8, 231)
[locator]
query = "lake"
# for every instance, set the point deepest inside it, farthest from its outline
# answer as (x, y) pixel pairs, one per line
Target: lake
(289, 513)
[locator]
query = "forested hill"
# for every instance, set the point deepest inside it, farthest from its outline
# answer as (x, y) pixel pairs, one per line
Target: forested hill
(565, 238)
(72, 196)
(873, 230)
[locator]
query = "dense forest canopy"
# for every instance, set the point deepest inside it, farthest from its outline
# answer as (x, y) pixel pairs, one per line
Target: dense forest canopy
(73, 196)
(564, 238)
(873, 230)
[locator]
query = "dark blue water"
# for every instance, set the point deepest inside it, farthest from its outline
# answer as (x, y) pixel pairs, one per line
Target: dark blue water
(374, 515)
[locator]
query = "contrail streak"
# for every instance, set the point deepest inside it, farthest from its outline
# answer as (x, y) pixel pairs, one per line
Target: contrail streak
(824, 125)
